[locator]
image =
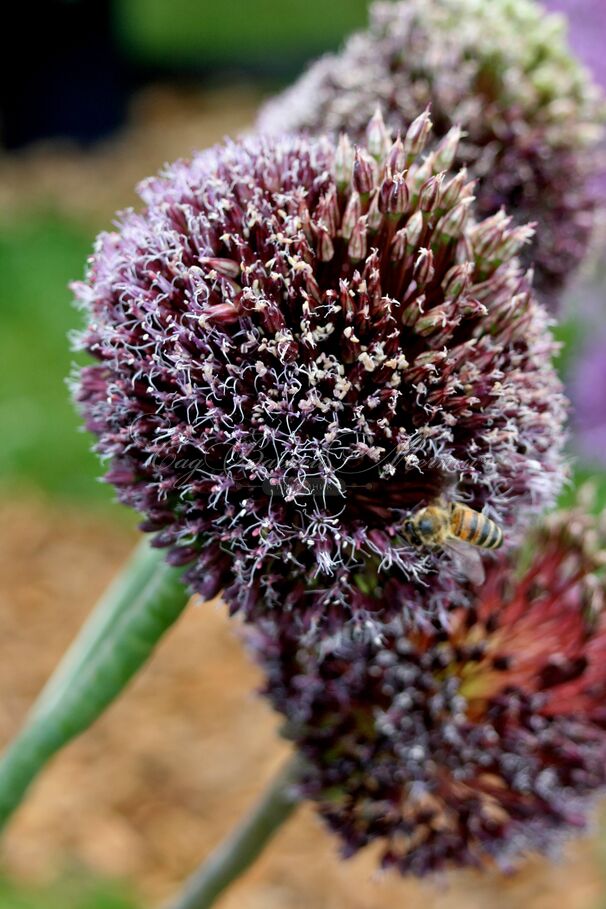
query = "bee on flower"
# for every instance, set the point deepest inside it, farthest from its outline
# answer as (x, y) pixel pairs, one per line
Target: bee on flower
(296, 344)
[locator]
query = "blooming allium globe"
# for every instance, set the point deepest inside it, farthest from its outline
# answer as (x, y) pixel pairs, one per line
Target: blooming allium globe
(297, 345)
(466, 745)
(503, 72)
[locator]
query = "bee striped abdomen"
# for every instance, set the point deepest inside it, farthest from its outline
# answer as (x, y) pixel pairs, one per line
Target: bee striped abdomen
(475, 528)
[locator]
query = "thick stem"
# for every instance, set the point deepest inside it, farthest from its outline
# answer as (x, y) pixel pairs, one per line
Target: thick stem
(114, 644)
(117, 599)
(237, 853)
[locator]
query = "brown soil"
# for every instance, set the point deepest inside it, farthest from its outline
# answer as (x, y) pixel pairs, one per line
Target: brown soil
(166, 773)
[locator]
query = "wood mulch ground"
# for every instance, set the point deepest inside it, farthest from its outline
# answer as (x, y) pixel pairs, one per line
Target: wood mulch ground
(148, 791)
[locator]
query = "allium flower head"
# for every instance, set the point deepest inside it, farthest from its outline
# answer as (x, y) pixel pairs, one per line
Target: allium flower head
(297, 346)
(464, 746)
(503, 72)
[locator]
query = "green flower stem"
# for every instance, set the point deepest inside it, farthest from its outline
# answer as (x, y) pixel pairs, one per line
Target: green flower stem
(116, 641)
(237, 853)
(116, 600)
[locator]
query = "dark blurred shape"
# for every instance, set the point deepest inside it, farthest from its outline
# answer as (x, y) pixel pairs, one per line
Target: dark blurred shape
(67, 79)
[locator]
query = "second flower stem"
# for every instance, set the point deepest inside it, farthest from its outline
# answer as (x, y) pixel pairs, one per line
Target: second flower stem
(240, 849)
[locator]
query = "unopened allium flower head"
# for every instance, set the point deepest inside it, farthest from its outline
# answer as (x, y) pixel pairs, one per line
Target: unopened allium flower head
(297, 346)
(503, 72)
(468, 745)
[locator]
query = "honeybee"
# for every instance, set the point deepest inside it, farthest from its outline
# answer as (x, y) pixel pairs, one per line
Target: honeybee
(457, 528)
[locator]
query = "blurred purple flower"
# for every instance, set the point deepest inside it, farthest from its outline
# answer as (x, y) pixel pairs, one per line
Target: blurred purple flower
(588, 393)
(586, 20)
(587, 31)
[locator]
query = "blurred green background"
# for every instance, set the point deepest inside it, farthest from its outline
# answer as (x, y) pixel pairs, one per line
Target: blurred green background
(273, 37)
(42, 444)
(73, 891)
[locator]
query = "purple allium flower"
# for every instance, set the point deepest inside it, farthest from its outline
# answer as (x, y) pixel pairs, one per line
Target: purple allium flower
(466, 745)
(298, 345)
(503, 72)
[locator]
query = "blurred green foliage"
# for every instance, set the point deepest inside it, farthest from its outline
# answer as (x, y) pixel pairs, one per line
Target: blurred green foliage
(570, 335)
(41, 438)
(269, 34)
(582, 474)
(75, 891)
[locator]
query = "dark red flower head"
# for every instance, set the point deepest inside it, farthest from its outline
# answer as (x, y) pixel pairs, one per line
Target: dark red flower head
(468, 745)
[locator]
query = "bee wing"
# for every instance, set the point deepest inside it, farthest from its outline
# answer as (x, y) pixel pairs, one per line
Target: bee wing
(468, 560)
